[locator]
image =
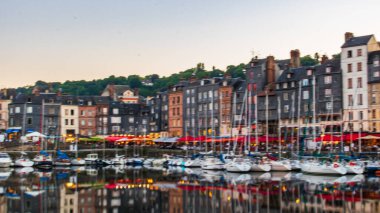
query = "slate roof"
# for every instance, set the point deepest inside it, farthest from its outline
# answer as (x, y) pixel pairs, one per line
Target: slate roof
(357, 41)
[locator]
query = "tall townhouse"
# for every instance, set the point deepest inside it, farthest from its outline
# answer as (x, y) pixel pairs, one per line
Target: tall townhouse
(102, 104)
(6, 97)
(354, 58)
(69, 116)
(36, 112)
(190, 107)
(87, 116)
(261, 88)
(310, 99)
(115, 117)
(175, 110)
(208, 107)
(231, 95)
(374, 91)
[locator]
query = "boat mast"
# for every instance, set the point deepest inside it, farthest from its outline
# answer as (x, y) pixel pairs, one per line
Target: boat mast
(314, 110)
(298, 117)
(266, 121)
(279, 125)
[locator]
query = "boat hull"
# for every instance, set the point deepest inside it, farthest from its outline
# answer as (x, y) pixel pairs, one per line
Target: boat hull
(260, 167)
(323, 169)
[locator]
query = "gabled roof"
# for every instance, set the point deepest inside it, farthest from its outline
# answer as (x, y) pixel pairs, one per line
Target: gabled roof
(357, 41)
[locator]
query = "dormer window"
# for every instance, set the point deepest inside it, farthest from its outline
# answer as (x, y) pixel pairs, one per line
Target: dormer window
(69, 102)
(29, 100)
(328, 69)
(309, 72)
(289, 75)
(285, 85)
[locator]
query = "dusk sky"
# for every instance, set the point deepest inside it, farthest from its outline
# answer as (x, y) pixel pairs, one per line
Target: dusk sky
(53, 40)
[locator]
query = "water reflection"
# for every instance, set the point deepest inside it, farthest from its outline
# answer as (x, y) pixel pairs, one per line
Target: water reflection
(174, 189)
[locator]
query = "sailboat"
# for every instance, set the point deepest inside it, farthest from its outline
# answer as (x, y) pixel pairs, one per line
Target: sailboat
(77, 161)
(62, 159)
(43, 160)
(23, 161)
(323, 167)
(212, 163)
(238, 165)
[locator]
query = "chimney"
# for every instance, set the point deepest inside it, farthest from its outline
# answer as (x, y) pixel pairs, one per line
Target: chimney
(295, 58)
(59, 93)
(270, 69)
(348, 36)
(111, 91)
(324, 59)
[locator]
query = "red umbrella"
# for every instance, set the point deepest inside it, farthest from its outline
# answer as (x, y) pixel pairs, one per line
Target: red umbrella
(328, 138)
(186, 139)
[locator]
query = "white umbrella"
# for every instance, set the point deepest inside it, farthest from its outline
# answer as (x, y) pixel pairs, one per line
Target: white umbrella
(369, 137)
(35, 134)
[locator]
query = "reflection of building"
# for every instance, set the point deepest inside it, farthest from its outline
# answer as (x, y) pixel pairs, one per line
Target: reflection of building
(68, 200)
(3, 204)
(86, 200)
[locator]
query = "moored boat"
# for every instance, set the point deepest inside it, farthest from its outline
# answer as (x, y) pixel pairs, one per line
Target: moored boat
(43, 160)
(5, 160)
(316, 167)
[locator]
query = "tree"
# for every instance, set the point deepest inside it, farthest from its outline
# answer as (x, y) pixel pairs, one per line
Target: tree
(307, 60)
(134, 81)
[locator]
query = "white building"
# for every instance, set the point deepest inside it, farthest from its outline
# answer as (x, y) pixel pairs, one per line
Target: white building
(354, 57)
(69, 120)
(4, 113)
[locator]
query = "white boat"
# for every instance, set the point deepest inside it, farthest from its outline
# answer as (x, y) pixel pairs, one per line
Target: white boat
(238, 165)
(5, 160)
(62, 162)
(23, 161)
(260, 166)
(78, 162)
(91, 158)
(295, 164)
(212, 163)
(159, 162)
(315, 167)
(43, 160)
(118, 160)
(193, 162)
(148, 161)
(354, 167)
(280, 165)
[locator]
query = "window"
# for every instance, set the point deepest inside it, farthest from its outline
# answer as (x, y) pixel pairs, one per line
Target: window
(89, 123)
(361, 115)
(374, 113)
(289, 75)
(292, 84)
(17, 110)
(200, 108)
(373, 99)
(188, 99)
(376, 74)
(200, 96)
(359, 66)
(115, 120)
(210, 94)
(215, 93)
(131, 119)
(82, 122)
(66, 122)
(286, 96)
(328, 79)
(72, 112)
(359, 52)
(29, 110)
(204, 95)
(11, 110)
(328, 105)
(350, 100)
(72, 122)
(327, 92)
(360, 99)
(306, 107)
(349, 83)
(51, 111)
(286, 108)
(309, 72)
(359, 83)
(305, 82)
(349, 54)
(1, 107)
(29, 121)
(305, 95)
(350, 116)
(328, 69)
(115, 111)
(104, 110)
(349, 67)
(187, 92)
(82, 113)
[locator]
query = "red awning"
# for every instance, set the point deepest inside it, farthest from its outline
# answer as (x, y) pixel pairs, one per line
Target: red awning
(353, 136)
(328, 137)
(186, 139)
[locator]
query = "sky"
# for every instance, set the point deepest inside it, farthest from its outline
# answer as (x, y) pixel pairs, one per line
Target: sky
(59, 40)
